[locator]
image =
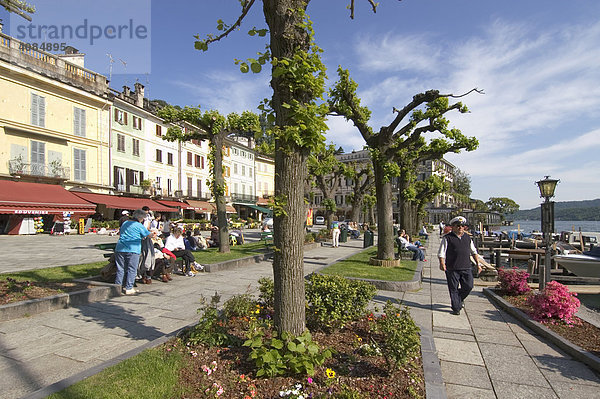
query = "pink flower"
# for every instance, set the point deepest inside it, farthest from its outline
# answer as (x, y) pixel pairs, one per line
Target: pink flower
(309, 380)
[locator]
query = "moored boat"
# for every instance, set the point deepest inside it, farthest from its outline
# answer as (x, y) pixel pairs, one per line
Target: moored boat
(581, 265)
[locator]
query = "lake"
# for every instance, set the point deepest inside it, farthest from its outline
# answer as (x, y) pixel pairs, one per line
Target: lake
(528, 226)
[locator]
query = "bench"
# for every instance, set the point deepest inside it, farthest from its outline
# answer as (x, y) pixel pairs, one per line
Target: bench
(107, 246)
(267, 237)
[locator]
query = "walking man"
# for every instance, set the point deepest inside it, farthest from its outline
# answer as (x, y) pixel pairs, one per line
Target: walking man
(454, 254)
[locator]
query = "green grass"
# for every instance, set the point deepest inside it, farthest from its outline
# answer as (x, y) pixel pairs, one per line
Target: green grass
(151, 374)
(59, 273)
(358, 266)
(212, 255)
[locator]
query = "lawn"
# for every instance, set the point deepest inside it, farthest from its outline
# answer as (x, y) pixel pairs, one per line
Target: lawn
(358, 266)
(212, 255)
(57, 274)
(153, 374)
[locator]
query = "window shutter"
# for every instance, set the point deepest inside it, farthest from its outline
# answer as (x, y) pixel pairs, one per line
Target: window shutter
(128, 178)
(41, 111)
(202, 162)
(116, 176)
(141, 176)
(76, 121)
(124, 118)
(116, 115)
(34, 109)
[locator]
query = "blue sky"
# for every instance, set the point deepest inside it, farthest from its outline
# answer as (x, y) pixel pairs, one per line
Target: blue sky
(538, 62)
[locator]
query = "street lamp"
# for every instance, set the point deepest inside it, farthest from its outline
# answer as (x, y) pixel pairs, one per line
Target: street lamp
(547, 187)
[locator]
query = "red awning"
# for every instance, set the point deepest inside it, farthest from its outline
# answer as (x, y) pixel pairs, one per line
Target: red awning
(175, 204)
(23, 198)
(118, 202)
(228, 209)
(199, 206)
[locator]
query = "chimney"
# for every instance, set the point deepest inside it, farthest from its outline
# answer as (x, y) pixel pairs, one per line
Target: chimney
(126, 91)
(73, 56)
(139, 94)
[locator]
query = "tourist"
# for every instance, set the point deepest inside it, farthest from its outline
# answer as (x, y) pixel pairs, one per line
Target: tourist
(403, 241)
(176, 245)
(454, 254)
(147, 259)
(441, 226)
(124, 217)
(335, 234)
(127, 251)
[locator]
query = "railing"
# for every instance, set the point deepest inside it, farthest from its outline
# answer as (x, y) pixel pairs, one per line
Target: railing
(17, 167)
(246, 198)
(40, 61)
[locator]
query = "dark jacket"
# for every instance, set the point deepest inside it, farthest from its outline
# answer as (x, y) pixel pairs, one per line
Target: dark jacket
(458, 253)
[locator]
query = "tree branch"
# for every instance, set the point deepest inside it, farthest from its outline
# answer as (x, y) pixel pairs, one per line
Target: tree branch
(237, 23)
(371, 2)
(475, 89)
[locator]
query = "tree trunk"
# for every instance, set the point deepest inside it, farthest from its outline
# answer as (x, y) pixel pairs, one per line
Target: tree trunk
(287, 36)
(217, 142)
(356, 208)
(385, 232)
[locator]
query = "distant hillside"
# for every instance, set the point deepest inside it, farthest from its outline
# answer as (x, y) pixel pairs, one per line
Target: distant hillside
(567, 210)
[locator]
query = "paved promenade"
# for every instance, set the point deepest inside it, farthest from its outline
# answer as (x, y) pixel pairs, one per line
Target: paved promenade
(484, 353)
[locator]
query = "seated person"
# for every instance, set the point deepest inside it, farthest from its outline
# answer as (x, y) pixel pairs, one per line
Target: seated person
(404, 243)
(176, 245)
(190, 241)
(423, 232)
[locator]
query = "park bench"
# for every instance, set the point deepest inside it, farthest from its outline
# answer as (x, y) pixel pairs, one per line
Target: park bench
(267, 237)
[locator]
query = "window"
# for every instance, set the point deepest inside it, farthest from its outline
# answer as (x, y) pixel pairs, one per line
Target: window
(189, 158)
(243, 154)
(243, 189)
(79, 164)
(235, 169)
(137, 122)
(38, 110)
(243, 170)
(170, 186)
(197, 161)
(136, 147)
(120, 178)
(158, 156)
(251, 156)
(38, 157)
(235, 188)
(249, 172)
(235, 151)
(190, 183)
(169, 159)
(199, 187)
(159, 130)
(120, 143)
(79, 122)
(158, 182)
(135, 177)
(120, 117)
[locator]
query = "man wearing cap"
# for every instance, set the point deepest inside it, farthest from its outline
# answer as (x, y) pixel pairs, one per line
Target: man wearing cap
(125, 217)
(454, 254)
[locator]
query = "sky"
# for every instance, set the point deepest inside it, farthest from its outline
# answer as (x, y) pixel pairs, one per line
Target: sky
(537, 61)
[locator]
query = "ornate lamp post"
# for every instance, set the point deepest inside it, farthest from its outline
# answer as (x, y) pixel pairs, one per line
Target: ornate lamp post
(547, 187)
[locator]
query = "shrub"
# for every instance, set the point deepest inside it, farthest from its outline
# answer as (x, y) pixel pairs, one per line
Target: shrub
(266, 287)
(513, 282)
(309, 237)
(284, 355)
(554, 302)
(210, 329)
(332, 301)
(240, 306)
(400, 335)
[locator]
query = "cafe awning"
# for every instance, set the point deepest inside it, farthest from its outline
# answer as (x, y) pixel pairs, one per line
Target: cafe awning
(229, 209)
(118, 202)
(21, 198)
(261, 209)
(199, 206)
(175, 204)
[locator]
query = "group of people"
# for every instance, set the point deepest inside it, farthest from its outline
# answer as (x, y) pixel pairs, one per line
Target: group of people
(141, 252)
(404, 243)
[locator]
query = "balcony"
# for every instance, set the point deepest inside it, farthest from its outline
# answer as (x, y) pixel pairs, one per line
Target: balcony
(51, 65)
(244, 198)
(52, 170)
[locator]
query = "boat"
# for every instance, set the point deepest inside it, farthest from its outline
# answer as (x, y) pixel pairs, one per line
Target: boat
(575, 238)
(586, 264)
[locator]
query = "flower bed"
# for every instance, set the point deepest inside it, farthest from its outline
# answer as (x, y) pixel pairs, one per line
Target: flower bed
(12, 290)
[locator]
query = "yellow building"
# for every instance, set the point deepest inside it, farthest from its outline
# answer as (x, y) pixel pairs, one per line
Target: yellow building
(54, 118)
(265, 177)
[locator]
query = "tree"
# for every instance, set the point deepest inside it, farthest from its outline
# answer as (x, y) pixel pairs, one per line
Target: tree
(214, 127)
(502, 205)
(462, 187)
(424, 114)
(19, 7)
(298, 81)
(326, 170)
(362, 182)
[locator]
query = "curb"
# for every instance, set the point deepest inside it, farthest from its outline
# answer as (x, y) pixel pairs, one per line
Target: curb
(102, 292)
(573, 350)
(432, 370)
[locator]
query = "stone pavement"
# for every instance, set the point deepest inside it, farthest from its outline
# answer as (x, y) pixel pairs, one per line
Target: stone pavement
(46, 348)
(484, 353)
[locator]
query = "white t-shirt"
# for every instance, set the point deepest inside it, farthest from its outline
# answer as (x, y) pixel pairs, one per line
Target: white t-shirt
(174, 243)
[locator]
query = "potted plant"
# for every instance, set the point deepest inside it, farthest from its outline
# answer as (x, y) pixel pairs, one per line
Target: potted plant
(56, 167)
(145, 185)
